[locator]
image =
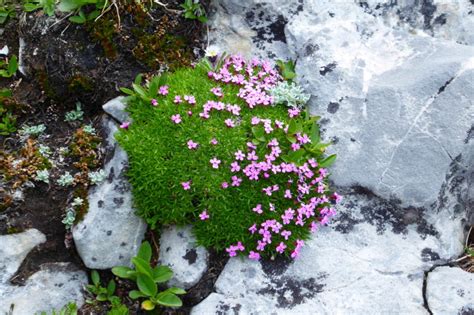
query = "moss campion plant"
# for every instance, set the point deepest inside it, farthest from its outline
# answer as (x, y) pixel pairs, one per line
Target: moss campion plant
(208, 146)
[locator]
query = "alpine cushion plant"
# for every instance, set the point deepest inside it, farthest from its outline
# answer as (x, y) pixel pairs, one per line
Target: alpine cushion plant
(214, 152)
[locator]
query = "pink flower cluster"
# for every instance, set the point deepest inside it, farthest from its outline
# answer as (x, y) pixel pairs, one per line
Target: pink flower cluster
(219, 106)
(256, 78)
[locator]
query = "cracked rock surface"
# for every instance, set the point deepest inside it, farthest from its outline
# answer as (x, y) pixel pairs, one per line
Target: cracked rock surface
(393, 84)
(110, 233)
(53, 286)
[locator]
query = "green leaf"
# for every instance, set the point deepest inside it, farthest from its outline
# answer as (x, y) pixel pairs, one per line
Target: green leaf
(259, 133)
(134, 294)
(30, 7)
(91, 16)
(101, 297)
(142, 266)
(95, 277)
(140, 91)
(127, 91)
(314, 134)
(138, 79)
(168, 299)
(111, 287)
(162, 274)
(77, 19)
(328, 161)
(145, 251)
(146, 285)
(121, 272)
(148, 305)
(176, 290)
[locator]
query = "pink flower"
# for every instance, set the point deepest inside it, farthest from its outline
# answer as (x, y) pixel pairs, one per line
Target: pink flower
(303, 139)
(186, 185)
(204, 216)
(252, 156)
(234, 167)
(231, 251)
(239, 155)
(293, 112)
(125, 125)
(190, 99)
(254, 255)
(258, 209)
(215, 162)
(225, 185)
(286, 234)
(295, 146)
(255, 121)
(214, 141)
(217, 91)
(192, 145)
(337, 197)
(177, 99)
(281, 248)
(236, 181)
(154, 102)
(176, 118)
(229, 123)
(287, 194)
(163, 90)
(253, 228)
(190, 113)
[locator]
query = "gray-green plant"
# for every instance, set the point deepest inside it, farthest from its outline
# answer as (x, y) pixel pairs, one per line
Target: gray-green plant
(147, 279)
(44, 150)
(89, 129)
(42, 176)
(77, 202)
(97, 177)
(289, 94)
(70, 218)
(76, 114)
(66, 179)
(32, 130)
(193, 10)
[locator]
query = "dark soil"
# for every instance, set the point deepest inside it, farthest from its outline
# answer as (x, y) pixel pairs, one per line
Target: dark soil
(64, 63)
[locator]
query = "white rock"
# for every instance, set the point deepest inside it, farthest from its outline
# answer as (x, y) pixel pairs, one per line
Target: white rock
(4, 51)
(51, 288)
(110, 233)
(179, 251)
(116, 109)
(14, 248)
(450, 290)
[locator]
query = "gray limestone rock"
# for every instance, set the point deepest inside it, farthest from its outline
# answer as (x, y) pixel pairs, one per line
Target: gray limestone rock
(116, 109)
(110, 233)
(396, 99)
(13, 250)
(179, 251)
(51, 288)
(450, 290)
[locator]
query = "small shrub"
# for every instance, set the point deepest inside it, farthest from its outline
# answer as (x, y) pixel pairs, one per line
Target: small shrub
(214, 152)
(105, 294)
(147, 279)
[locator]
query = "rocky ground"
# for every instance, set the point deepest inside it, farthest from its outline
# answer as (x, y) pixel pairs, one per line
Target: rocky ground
(394, 86)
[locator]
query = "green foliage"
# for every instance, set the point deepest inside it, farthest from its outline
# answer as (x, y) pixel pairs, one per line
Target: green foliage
(77, 7)
(8, 67)
(194, 10)
(287, 69)
(48, 6)
(69, 309)
(7, 10)
(7, 119)
(147, 279)
(160, 160)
